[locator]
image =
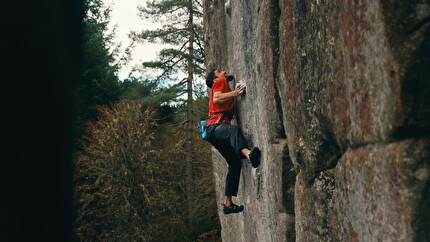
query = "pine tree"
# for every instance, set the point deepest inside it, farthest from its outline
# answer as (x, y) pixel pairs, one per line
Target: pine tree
(181, 31)
(98, 83)
(181, 27)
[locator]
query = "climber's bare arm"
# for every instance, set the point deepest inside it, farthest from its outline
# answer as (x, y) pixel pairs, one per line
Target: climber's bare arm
(220, 97)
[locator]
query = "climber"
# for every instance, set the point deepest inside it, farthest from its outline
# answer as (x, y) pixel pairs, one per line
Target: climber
(226, 138)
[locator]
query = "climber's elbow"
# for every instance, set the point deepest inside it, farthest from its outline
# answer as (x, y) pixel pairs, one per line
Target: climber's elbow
(216, 101)
(220, 97)
(217, 98)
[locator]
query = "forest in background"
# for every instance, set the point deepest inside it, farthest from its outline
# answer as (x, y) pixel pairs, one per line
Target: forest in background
(130, 145)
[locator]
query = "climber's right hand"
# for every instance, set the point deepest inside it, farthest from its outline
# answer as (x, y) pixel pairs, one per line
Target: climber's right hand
(240, 88)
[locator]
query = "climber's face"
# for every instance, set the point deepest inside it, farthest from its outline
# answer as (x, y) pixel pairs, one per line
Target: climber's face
(220, 74)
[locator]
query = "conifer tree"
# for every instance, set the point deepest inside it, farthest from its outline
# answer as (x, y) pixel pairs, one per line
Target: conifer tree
(181, 28)
(98, 83)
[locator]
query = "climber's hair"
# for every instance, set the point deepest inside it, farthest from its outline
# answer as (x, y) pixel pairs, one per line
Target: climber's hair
(210, 78)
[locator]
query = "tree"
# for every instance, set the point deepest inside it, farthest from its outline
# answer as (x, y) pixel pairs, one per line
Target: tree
(122, 191)
(181, 22)
(130, 179)
(180, 28)
(131, 182)
(98, 83)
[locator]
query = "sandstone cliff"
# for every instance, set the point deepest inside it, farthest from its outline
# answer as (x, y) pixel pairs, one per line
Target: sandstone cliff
(338, 101)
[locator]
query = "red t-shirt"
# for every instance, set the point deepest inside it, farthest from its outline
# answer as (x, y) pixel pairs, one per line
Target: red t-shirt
(216, 110)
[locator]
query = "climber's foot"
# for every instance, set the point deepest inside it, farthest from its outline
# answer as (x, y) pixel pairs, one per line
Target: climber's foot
(254, 157)
(233, 208)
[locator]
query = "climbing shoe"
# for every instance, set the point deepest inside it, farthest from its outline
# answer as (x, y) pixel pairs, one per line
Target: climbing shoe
(254, 157)
(233, 209)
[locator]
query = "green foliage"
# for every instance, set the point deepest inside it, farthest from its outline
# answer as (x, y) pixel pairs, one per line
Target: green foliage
(150, 93)
(173, 142)
(98, 83)
(130, 179)
(294, 171)
(174, 17)
(122, 190)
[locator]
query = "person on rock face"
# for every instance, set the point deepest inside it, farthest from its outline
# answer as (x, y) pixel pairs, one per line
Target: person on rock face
(226, 138)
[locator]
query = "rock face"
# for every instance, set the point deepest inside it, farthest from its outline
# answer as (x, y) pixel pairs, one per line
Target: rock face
(338, 100)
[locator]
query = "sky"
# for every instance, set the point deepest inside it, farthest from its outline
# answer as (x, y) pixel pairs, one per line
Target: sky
(125, 15)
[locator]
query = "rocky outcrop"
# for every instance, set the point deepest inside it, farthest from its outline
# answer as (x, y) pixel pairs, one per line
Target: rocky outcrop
(338, 101)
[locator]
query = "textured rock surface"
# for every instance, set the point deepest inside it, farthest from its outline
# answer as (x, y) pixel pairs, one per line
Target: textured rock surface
(379, 192)
(339, 93)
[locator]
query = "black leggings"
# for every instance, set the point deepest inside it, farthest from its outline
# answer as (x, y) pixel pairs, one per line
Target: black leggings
(229, 141)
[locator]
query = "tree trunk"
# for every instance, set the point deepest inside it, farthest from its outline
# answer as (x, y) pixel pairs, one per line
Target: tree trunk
(189, 140)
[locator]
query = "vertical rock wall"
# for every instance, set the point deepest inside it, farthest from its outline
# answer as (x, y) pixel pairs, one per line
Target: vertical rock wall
(338, 101)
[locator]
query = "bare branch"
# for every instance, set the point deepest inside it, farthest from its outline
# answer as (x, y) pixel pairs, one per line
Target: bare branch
(198, 3)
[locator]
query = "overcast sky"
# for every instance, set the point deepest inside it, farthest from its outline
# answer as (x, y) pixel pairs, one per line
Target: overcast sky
(125, 16)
